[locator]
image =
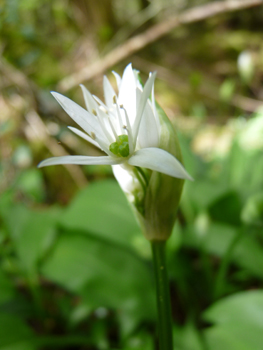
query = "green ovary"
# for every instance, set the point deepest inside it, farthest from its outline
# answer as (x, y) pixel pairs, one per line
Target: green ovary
(121, 146)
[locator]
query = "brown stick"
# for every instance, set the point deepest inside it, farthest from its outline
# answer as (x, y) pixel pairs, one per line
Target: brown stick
(152, 34)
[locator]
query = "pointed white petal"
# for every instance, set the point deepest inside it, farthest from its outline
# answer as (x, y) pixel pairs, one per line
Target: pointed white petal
(159, 160)
(155, 110)
(118, 79)
(138, 83)
(83, 118)
(101, 104)
(84, 136)
(144, 97)
(109, 93)
(81, 160)
(89, 100)
(148, 131)
(127, 93)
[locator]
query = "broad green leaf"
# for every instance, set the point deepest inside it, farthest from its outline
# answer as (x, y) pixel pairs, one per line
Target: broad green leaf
(243, 307)
(187, 338)
(238, 322)
(231, 202)
(241, 165)
(216, 239)
(104, 274)
(101, 209)
(32, 232)
(252, 212)
(36, 237)
(14, 217)
(206, 192)
(30, 182)
(7, 290)
(15, 334)
(234, 338)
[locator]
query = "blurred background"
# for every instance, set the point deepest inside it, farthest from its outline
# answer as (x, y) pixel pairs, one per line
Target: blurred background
(75, 271)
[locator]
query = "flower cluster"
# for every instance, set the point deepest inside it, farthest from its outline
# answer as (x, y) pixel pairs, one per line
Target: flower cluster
(136, 136)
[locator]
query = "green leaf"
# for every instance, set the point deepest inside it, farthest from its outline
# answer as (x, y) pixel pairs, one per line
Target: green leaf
(252, 212)
(103, 274)
(187, 338)
(231, 202)
(101, 209)
(30, 182)
(7, 290)
(15, 334)
(205, 193)
(36, 237)
(238, 322)
(216, 238)
(32, 232)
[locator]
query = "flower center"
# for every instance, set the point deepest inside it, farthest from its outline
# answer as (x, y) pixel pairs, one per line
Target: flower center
(121, 146)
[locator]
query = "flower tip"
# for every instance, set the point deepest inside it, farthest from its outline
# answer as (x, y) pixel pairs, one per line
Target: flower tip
(55, 94)
(83, 88)
(153, 74)
(189, 177)
(40, 165)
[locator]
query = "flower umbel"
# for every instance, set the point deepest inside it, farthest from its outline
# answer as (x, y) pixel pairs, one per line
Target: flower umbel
(137, 137)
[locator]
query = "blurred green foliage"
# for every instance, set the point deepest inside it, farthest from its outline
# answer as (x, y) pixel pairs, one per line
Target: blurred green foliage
(75, 271)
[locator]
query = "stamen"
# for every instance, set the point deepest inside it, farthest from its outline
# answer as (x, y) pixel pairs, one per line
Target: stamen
(129, 131)
(103, 127)
(94, 112)
(115, 99)
(102, 144)
(119, 116)
(113, 130)
(100, 103)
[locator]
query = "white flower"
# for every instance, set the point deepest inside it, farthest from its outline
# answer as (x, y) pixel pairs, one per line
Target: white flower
(126, 127)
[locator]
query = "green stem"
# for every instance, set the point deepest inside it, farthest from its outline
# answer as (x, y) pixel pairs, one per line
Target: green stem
(140, 178)
(163, 296)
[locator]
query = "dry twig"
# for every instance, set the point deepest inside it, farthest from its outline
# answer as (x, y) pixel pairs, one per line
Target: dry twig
(152, 34)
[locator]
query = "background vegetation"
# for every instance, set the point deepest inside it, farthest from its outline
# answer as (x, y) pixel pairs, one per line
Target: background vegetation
(75, 271)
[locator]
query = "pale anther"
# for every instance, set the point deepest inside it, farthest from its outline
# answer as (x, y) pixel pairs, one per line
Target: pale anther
(92, 135)
(94, 112)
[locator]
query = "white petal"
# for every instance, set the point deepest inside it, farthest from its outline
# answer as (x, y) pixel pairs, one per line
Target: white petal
(144, 97)
(148, 132)
(100, 103)
(127, 181)
(159, 160)
(83, 118)
(109, 93)
(127, 93)
(138, 83)
(118, 79)
(155, 110)
(81, 160)
(89, 100)
(84, 136)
